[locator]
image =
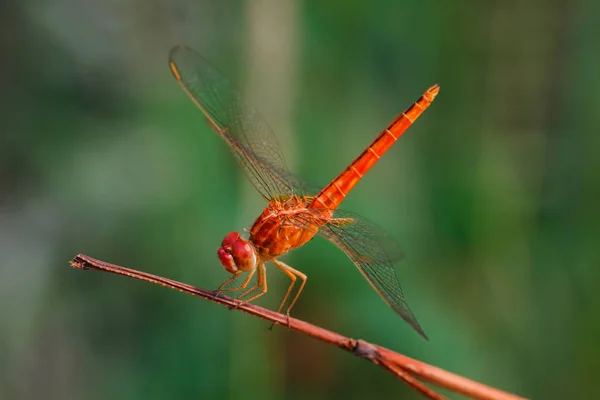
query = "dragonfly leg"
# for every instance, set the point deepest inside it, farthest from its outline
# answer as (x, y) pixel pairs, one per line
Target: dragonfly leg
(289, 271)
(242, 286)
(261, 283)
(227, 282)
(292, 277)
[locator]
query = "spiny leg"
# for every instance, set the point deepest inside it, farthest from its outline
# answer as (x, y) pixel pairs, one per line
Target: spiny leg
(242, 286)
(292, 277)
(252, 289)
(261, 282)
(227, 282)
(289, 270)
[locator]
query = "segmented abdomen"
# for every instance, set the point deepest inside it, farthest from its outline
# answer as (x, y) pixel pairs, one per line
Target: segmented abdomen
(333, 194)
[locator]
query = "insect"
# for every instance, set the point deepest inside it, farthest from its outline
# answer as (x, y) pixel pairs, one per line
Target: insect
(295, 213)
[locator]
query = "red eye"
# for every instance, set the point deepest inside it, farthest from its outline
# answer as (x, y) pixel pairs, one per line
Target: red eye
(229, 239)
(227, 261)
(241, 250)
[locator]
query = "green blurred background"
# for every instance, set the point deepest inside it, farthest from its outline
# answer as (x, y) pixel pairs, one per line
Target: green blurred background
(493, 194)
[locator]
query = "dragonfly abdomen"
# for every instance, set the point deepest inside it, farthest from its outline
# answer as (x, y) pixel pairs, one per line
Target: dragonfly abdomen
(334, 193)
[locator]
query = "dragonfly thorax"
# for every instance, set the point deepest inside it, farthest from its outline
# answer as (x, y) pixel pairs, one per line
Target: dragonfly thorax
(237, 254)
(285, 224)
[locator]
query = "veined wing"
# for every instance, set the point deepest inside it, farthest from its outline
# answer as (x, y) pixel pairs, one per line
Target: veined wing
(245, 131)
(372, 250)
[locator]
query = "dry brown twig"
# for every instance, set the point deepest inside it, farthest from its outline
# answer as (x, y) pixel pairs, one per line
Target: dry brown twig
(402, 367)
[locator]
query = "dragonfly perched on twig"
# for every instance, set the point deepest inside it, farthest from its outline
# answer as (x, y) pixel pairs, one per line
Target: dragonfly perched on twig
(295, 213)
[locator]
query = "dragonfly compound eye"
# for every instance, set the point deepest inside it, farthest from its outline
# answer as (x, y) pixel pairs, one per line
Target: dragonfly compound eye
(244, 255)
(227, 260)
(229, 239)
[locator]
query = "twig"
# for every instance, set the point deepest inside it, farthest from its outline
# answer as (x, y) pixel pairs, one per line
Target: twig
(402, 367)
(409, 379)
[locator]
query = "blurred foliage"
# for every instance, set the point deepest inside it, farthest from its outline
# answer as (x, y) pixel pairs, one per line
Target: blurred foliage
(493, 194)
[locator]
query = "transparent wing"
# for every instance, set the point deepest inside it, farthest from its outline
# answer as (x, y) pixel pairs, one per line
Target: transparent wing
(245, 131)
(371, 249)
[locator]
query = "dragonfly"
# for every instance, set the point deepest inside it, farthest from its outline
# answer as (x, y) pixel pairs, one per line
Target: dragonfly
(297, 211)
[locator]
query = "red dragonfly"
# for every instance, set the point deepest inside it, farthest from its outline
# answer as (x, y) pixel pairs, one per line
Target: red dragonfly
(295, 213)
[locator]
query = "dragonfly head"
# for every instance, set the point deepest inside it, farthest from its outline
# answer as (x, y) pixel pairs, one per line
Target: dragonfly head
(237, 254)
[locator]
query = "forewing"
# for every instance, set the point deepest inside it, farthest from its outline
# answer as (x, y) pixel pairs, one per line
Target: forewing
(249, 137)
(373, 251)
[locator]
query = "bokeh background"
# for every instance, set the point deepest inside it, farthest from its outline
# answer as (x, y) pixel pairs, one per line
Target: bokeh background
(493, 194)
